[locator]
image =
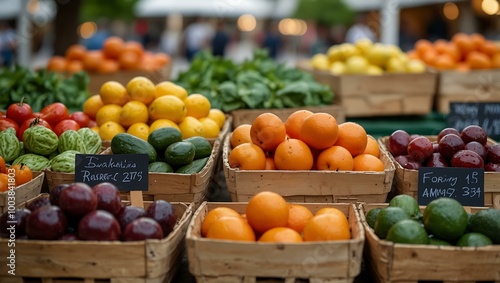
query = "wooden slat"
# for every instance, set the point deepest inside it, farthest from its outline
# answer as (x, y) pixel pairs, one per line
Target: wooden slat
(24, 192)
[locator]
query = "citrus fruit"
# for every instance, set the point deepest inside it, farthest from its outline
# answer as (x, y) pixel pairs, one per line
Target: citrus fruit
(133, 112)
(141, 89)
(487, 222)
(445, 218)
(215, 214)
(162, 123)
(352, 137)
(92, 59)
(161, 138)
(270, 165)
(326, 227)
(267, 131)
(294, 122)
(75, 52)
(109, 112)
(266, 210)
(335, 158)
(197, 105)
(92, 105)
(218, 116)
(56, 64)
(372, 147)
(108, 66)
(191, 127)
(408, 232)
(140, 130)
(473, 240)
(293, 154)
(298, 216)
(167, 107)
(114, 93)
(247, 156)
(129, 60)
(371, 216)
(319, 131)
(231, 228)
(387, 217)
(112, 47)
(110, 129)
(281, 235)
(241, 134)
(210, 128)
(407, 203)
(169, 88)
(368, 162)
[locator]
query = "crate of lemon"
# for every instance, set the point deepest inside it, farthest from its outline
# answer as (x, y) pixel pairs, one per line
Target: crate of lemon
(373, 79)
(309, 157)
(268, 237)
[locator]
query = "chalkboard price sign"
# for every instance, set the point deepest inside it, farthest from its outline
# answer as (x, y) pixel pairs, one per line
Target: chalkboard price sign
(129, 172)
(466, 185)
(483, 114)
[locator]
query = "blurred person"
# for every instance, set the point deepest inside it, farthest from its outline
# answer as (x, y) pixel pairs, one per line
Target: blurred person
(360, 30)
(197, 37)
(97, 40)
(220, 40)
(272, 40)
(7, 44)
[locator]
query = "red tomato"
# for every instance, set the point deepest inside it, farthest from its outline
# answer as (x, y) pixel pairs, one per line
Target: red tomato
(55, 113)
(81, 118)
(26, 124)
(19, 112)
(6, 123)
(66, 125)
(92, 123)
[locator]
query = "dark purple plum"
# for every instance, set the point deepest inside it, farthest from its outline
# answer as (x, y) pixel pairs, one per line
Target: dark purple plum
(398, 141)
(46, 223)
(164, 213)
(478, 148)
(494, 153)
(435, 147)
(55, 193)
(467, 159)
(108, 197)
(413, 165)
(142, 229)
(129, 214)
(402, 160)
(77, 200)
(446, 131)
(492, 167)
(19, 226)
(99, 225)
(449, 145)
(412, 137)
(436, 160)
(474, 133)
(68, 237)
(38, 202)
(420, 148)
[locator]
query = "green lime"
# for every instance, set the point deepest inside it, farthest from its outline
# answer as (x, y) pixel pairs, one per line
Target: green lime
(202, 146)
(180, 153)
(445, 218)
(474, 240)
(487, 222)
(407, 203)
(387, 217)
(408, 232)
(438, 242)
(371, 216)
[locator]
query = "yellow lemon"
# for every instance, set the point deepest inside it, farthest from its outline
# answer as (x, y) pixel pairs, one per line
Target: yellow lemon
(320, 62)
(218, 116)
(141, 89)
(109, 112)
(197, 105)
(92, 105)
(338, 68)
(140, 130)
(134, 112)
(110, 129)
(162, 123)
(210, 128)
(373, 70)
(169, 88)
(114, 93)
(167, 107)
(191, 127)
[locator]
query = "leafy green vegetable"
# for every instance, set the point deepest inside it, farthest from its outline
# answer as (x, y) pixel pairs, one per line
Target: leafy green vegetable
(257, 83)
(41, 88)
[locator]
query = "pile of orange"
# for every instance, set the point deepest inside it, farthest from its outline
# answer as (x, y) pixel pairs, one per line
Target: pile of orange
(463, 53)
(305, 141)
(142, 106)
(115, 55)
(19, 174)
(270, 218)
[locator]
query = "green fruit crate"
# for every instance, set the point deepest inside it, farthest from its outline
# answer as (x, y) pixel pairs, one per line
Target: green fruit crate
(23, 192)
(214, 261)
(406, 263)
(150, 261)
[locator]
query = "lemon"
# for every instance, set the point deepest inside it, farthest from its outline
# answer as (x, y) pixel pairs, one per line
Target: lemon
(334, 54)
(191, 127)
(337, 68)
(110, 129)
(167, 107)
(320, 62)
(197, 105)
(210, 128)
(347, 50)
(218, 116)
(374, 70)
(141, 89)
(169, 88)
(415, 66)
(92, 105)
(114, 93)
(109, 112)
(395, 65)
(162, 123)
(140, 130)
(379, 55)
(356, 65)
(364, 45)
(133, 112)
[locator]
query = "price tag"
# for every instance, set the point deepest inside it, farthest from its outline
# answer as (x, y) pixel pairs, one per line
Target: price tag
(129, 172)
(484, 114)
(466, 185)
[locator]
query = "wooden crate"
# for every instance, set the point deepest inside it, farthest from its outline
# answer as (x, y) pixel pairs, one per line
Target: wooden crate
(391, 263)
(472, 86)
(23, 192)
(406, 180)
(384, 95)
(150, 261)
(232, 261)
(247, 116)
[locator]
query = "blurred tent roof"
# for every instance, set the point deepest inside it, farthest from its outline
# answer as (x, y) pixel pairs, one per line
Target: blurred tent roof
(9, 9)
(365, 5)
(38, 10)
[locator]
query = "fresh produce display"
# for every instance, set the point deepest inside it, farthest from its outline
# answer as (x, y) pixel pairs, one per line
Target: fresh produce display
(269, 218)
(462, 53)
(305, 141)
(39, 89)
(167, 151)
(141, 107)
(468, 148)
(78, 212)
(444, 221)
(366, 58)
(22, 175)
(114, 56)
(259, 82)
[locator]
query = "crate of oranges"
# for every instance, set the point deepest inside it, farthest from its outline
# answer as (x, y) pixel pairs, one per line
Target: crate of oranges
(468, 68)
(307, 158)
(27, 184)
(269, 237)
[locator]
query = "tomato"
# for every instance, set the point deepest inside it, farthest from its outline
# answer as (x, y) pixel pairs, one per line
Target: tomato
(66, 125)
(27, 123)
(3, 166)
(81, 118)
(4, 182)
(92, 123)
(55, 113)
(36, 114)
(6, 123)
(22, 174)
(19, 112)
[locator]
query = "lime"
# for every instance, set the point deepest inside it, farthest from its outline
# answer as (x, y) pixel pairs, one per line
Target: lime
(371, 216)
(408, 232)
(445, 218)
(407, 203)
(438, 242)
(487, 222)
(387, 217)
(474, 240)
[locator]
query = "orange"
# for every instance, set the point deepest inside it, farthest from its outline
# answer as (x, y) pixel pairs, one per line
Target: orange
(133, 112)
(231, 228)
(368, 162)
(247, 156)
(197, 105)
(162, 59)
(147, 63)
(281, 235)
(135, 47)
(266, 210)
(241, 135)
(335, 158)
(412, 54)
(113, 92)
(332, 210)
(352, 136)
(495, 61)
(477, 40)
(108, 66)
(110, 129)
(452, 50)
(214, 215)
(74, 66)
(319, 131)
(478, 60)
(141, 89)
(462, 67)
(464, 43)
(298, 216)
(430, 57)
(372, 147)
(270, 165)
(169, 88)
(326, 227)
(422, 46)
(92, 105)
(129, 60)
(167, 107)
(440, 45)
(267, 131)
(75, 52)
(294, 122)
(112, 47)
(56, 64)
(109, 112)
(444, 62)
(293, 154)
(92, 60)
(140, 130)
(4, 182)
(489, 48)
